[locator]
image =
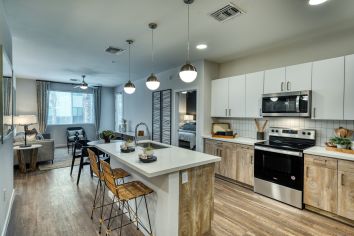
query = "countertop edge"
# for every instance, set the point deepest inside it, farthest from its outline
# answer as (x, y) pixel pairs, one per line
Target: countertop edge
(250, 143)
(321, 151)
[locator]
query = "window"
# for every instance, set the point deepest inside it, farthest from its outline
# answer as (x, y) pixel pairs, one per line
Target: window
(70, 108)
(119, 109)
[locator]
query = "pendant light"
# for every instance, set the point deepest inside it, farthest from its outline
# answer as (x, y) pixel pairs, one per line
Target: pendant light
(188, 72)
(152, 81)
(129, 87)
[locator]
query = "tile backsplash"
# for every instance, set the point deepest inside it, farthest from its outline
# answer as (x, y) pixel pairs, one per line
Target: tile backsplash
(246, 127)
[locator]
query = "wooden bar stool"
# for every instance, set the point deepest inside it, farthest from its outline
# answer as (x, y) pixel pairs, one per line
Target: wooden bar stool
(125, 193)
(119, 174)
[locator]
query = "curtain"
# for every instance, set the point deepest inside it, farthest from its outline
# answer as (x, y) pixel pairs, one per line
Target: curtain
(42, 104)
(97, 101)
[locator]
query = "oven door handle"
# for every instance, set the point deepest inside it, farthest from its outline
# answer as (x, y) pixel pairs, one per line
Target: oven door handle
(286, 152)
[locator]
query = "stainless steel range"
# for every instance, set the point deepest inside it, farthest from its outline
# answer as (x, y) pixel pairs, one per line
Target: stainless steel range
(279, 164)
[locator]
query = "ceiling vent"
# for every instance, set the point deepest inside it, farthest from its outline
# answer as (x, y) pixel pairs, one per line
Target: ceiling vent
(226, 13)
(114, 50)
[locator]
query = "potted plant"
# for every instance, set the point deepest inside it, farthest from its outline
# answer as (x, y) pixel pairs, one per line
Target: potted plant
(342, 143)
(129, 143)
(149, 151)
(107, 135)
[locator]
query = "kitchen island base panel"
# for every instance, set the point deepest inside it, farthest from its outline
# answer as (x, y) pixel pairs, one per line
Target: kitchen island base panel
(196, 201)
(166, 205)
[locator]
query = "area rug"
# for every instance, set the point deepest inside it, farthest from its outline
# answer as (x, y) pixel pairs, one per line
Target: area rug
(62, 159)
(57, 165)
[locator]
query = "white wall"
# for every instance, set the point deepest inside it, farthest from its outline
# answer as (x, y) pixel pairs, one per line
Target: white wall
(26, 104)
(6, 153)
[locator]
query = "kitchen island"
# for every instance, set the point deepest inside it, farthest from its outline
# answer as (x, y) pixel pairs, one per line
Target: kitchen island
(183, 184)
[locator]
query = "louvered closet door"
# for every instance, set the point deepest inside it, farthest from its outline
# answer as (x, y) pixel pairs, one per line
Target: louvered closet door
(161, 116)
(166, 116)
(156, 116)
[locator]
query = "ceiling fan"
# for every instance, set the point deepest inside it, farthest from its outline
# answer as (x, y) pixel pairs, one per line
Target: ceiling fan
(83, 85)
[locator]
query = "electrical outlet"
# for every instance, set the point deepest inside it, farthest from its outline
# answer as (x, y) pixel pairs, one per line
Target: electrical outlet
(4, 194)
(184, 177)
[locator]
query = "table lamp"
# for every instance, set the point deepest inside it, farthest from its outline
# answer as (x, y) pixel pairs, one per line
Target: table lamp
(25, 120)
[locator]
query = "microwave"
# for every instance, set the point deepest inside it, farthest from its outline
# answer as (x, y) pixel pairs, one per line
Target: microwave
(287, 104)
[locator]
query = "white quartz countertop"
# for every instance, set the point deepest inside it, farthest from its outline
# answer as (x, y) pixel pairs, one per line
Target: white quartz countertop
(170, 159)
(239, 140)
(321, 151)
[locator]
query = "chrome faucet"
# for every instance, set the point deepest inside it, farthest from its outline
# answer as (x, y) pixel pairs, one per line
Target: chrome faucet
(136, 130)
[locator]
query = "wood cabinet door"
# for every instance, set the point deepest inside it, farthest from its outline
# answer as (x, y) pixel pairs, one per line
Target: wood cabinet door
(346, 194)
(274, 80)
(237, 96)
(209, 146)
(244, 164)
(298, 77)
(254, 91)
(228, 163)
(349, 88)
(327, 89)
(321, 183)
(346, 189)
(220, 97)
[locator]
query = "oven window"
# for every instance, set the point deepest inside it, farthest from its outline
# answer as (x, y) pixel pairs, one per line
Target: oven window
(280, 165)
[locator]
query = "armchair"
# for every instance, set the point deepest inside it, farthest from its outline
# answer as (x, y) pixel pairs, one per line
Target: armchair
(73, 134)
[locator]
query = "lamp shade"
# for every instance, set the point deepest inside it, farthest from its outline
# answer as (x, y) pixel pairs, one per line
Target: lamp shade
(25, 120)
(188, 73)
(129, 87)
(152, 82)
(188, 117)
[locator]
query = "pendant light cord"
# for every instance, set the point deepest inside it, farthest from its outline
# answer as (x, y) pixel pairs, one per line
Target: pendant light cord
(129, 61)
(188, 36)
(152, 49)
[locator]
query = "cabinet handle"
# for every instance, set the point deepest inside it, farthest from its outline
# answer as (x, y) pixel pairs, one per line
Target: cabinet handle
(229, 112)
(282, 86)
(342, 179)
(260, 112)
(320, 162)
(314, 112)
(225, 112)
(288, 85)
(307, 171)
(251, 160)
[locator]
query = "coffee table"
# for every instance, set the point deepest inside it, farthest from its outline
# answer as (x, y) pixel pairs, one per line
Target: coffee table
(33, 151)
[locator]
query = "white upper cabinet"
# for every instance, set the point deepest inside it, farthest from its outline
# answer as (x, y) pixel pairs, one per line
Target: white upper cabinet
(254, 91)
(274, 80)
(298, 77)
(237, 96)
(327, 89)
(349, 88)
(220, 97)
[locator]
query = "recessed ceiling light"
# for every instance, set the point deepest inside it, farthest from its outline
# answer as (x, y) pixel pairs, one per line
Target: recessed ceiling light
(184, 92)
(316, 2)
(202, 46)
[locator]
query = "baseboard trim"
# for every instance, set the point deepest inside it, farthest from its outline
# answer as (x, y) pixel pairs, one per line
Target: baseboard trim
(8, 215)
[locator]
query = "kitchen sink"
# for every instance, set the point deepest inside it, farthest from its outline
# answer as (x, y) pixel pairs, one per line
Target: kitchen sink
(153, 145)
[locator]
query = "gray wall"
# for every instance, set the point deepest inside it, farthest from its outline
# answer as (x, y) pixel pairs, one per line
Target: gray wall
(331, 45)
(26, 104)
(6, 154)
(138, 106)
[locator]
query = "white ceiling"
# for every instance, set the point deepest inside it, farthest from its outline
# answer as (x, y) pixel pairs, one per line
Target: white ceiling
(58, 40)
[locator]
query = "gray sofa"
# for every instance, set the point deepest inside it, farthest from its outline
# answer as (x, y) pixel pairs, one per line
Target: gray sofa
(45, 153)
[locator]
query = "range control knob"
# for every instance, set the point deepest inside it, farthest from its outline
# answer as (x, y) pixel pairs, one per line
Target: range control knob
(272, 130)
(303, 133)
(276, 131)
(308, 133)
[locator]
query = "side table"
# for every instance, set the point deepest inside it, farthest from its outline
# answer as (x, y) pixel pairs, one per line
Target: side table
(33, 151)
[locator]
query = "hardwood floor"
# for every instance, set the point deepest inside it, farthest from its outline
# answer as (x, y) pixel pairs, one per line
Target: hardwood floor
(49, 203)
